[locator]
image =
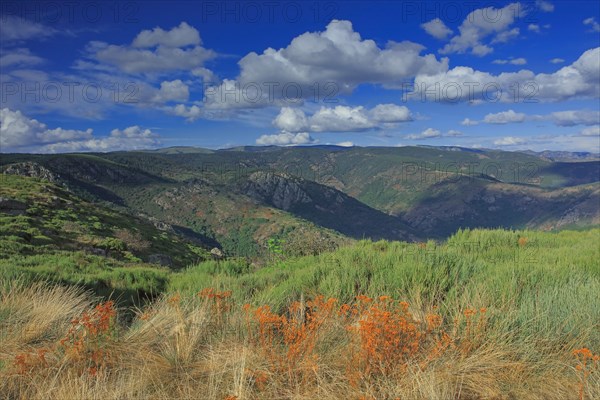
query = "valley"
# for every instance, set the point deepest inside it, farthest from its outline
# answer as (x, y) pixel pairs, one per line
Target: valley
(238, 198)
(323, 271)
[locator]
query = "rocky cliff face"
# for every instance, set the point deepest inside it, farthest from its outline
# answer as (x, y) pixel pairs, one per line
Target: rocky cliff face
(322, 205)
(281, 191)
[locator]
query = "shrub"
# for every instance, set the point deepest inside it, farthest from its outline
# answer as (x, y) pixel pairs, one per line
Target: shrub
(133, 240)
(113, 244)
(302, 242)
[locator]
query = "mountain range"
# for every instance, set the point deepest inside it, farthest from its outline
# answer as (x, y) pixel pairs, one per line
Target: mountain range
(237, 199)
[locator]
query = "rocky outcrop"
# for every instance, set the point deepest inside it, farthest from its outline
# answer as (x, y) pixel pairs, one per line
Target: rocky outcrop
(279, 190)
(216, 253)
(96, 251)
(322, 205)
(33, 170)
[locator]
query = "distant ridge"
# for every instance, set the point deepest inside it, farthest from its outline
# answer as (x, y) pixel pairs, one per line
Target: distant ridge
(550, 155)
(264, 149)
(565, 155)
(252, 149)
(455, 148)
(180, 150)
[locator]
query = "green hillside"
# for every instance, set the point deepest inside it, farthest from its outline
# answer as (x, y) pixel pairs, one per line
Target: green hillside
(239, 198)
(48, 232)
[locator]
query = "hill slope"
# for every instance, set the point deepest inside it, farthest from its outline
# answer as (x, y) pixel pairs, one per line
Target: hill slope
(241, 197)
(48, 232)
(489, 314)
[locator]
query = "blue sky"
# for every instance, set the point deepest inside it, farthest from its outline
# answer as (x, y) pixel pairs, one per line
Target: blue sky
(103, 76)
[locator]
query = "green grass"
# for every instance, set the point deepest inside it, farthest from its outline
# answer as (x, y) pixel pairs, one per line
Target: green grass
(551, 281)
(549, 285)
(91, 271)
(128, 284)
(543, 289)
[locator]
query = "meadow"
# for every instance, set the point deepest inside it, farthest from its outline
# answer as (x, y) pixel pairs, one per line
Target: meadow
(487, 314)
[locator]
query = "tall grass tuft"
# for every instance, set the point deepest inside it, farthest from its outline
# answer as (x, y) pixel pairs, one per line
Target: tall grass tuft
(485, 315)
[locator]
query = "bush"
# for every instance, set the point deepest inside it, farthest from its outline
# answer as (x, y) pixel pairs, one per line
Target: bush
(130, 257)
(113, 244)
(302, 242)
(133, 240)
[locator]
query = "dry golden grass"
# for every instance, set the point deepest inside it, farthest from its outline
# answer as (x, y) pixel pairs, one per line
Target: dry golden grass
(56, 344)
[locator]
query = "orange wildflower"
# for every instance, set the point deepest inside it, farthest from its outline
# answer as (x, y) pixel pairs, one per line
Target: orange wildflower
(586, 362)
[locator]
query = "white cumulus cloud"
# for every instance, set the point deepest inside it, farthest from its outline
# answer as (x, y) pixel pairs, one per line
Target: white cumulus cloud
(510, 141)
(16, 29)
(575, 117)
(390, 113)
(514, 61)
(504, 117)
(18, 132)
(578, 80)
(172, 91)
(558, 118)
(285, 139)
(469, 122)
(437, 29)
(341, 118)
(131, 138)
(481, 24)
(334, 61)
(544, 5)
(591, 131)
(593, 24)
(428, 133)
(155, 51)
(180, 36)
(190, 113)
(20, 57)
(506, 36)
(291, 120)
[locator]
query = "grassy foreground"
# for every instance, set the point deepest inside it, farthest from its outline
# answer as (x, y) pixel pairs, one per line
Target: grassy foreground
(486, 315)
